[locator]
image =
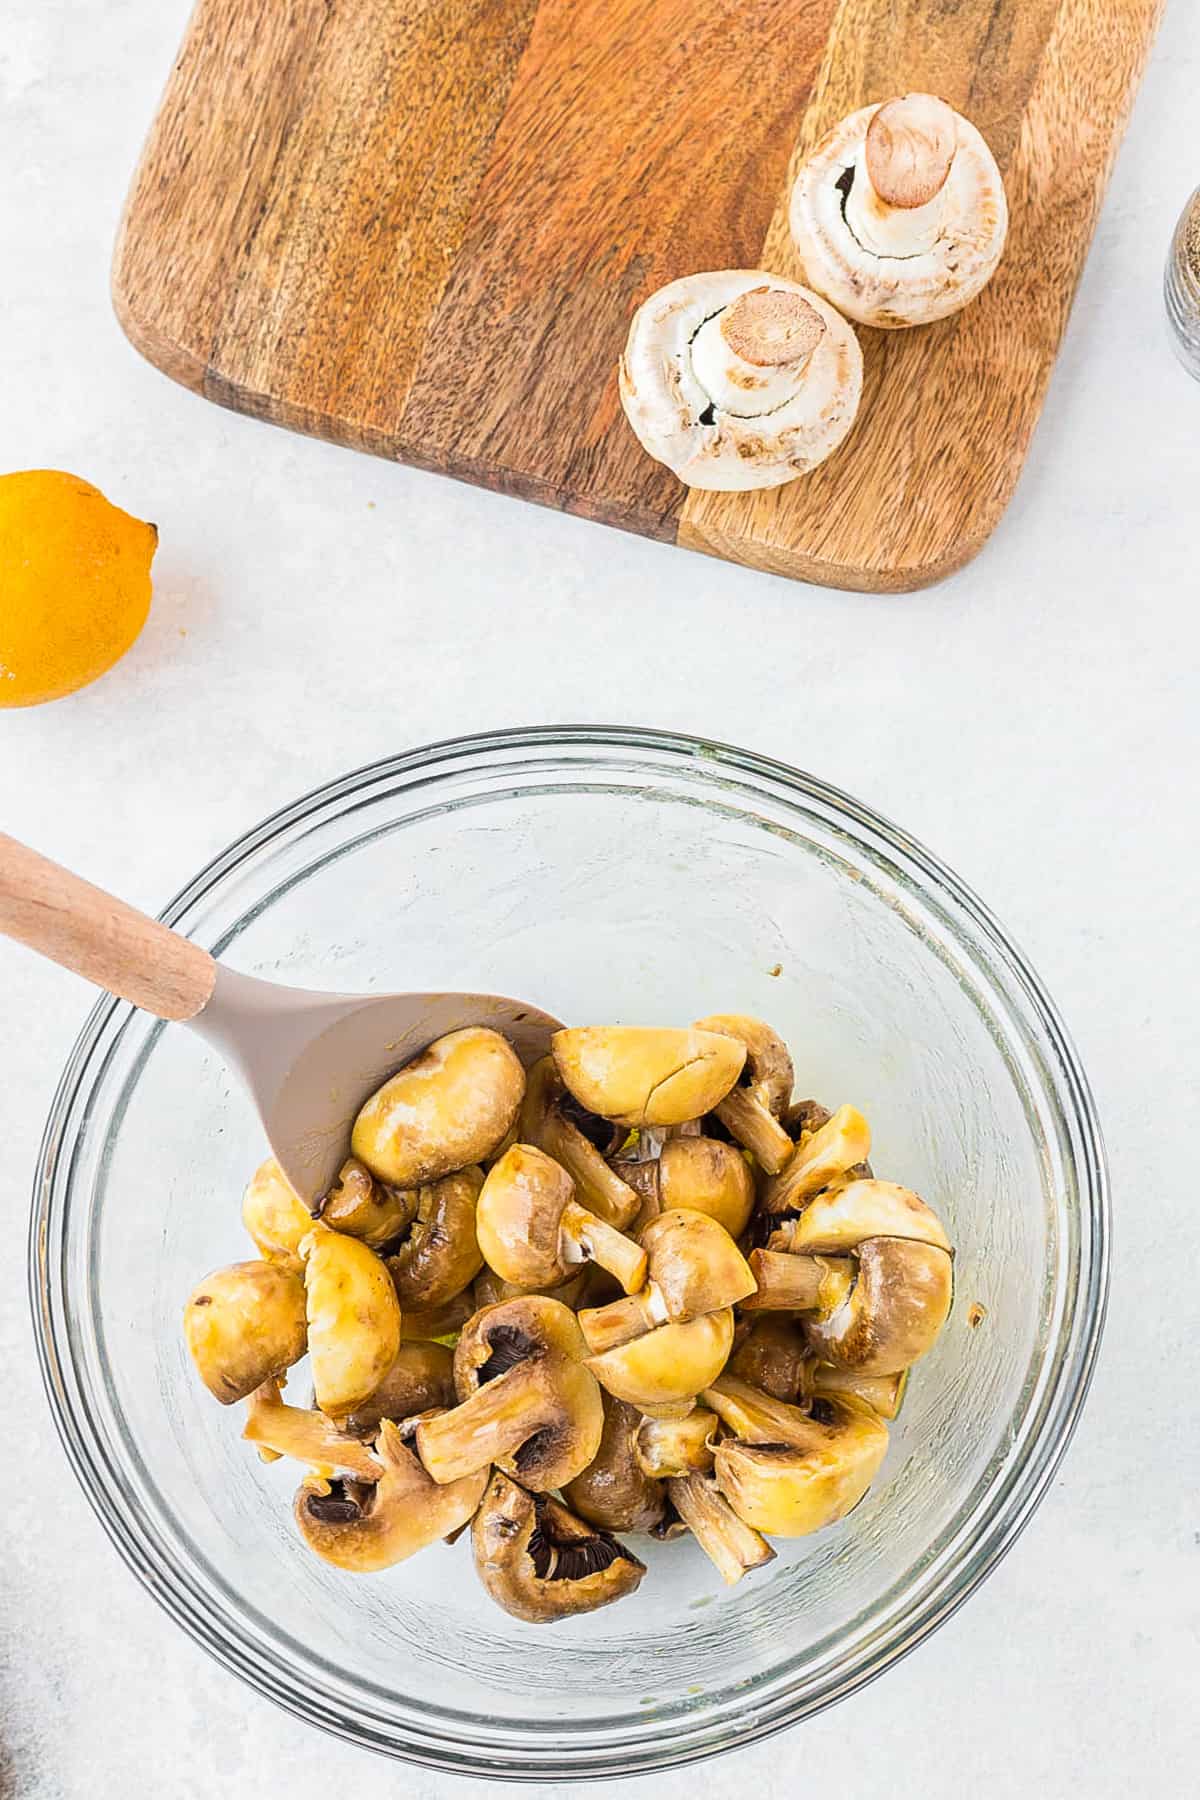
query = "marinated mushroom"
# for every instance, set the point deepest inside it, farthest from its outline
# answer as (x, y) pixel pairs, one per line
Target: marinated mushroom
(275, 1216)
(841, 1142)
(353, 1319)
(667, 1367)
(420, 1379)
(773, 1355)
(245, 1325)
(554, 1121)
(437, 1322)
(365, 1208)
(708, 1176)
(794, 1283)
(613, 1491)
(884, 1394)
(738, 379)
(694, 1267)
(668, 1447)
(789, 1470)
(362, 1527)
(532, 1230)
(541, 1563)
(488, 1289)
(643, 1075)
(752, 1110)
(305, 1435)
(439, 1254)
(899, 215)
(526, 1400)
(449, 1107)
(730, 1544)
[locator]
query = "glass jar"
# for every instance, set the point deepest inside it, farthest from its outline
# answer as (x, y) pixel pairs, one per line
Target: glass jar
(1181, 287)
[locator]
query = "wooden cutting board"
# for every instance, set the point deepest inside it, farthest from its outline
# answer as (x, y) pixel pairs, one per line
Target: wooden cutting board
(420, 227)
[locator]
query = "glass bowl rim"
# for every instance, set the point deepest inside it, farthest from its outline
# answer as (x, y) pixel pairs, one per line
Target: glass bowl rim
(996, 1526)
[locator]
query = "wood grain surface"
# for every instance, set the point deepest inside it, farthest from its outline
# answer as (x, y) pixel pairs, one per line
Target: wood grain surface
(422, 231)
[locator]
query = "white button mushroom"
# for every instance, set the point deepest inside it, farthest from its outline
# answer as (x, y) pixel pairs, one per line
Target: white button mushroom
(899, 215)
(738, 379)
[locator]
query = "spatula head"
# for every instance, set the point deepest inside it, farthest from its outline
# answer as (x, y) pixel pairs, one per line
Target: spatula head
(311, 1060)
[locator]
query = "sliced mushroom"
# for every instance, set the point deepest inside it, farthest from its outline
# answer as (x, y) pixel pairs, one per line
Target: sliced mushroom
(275, 1216)
(844, 1139)
(419, 1380)
(613, 1491)
(526, 1400)
(532, 1230)
(642, 1075)
(694, 1267)
(305, 1435)
(884, 1394)
(362, 1528)
(669, 1366)
(790, 1470)
(707, 1176)
(774, 1356)
(353, 1319)
(751, 1111)
(738, 379)
(733, 1546)
(439, 1254)
(899, 215)
(447, 1108)
(667, 1447)
(365, 1208)
(245, 1325)
(541, 1563)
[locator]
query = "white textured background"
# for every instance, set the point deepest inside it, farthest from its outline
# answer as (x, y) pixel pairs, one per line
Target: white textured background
(1034, 720)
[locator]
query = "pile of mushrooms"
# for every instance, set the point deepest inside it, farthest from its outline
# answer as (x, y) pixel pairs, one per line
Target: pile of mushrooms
(741, 379)
(638, 1289)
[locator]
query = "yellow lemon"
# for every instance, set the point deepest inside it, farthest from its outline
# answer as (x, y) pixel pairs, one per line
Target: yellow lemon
(74, 584)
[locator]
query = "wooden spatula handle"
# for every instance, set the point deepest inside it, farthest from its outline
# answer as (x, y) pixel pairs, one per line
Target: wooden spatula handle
(87, 930)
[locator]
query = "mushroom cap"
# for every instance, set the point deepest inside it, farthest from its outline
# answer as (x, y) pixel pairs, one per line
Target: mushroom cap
(647, 1075)
(768, 1071)
(420, 1379)
(708, 1176)
(845, 1217)
(274, 1215)
(894, 1311)
(447, 1108)
(900, 290)
(790, 1489)
(353, 1319)
(613, 1491)
(245, 1325)
(694, 1263)
(679, 422)
(774, 1356)
(363, 1528)
(440, 1255)
(671, 1363)
(519, 1217)
(541, 1563)
(365, 1208)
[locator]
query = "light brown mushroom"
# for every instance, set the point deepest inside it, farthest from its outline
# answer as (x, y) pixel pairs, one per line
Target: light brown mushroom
(694, 1267)
(245, 1325)
(845, 1139)
(275, 1216)
(667, 1367)
(364, 1527)
(541, 1563)
(450, 1107)
(773, 1355)
(526, 1400)
(752, 1110)
(790, 1470)
(365, 1208)
(899, 215)
(668, 1447)
(553, 1120)
(613, 1491)
(429, 1323)
(488, 1288)
(532, 1230)
(643, 1075)
(353, 1319)
(305, 1435)
(708, 1176)
(438, 1254)
(420, 1379)
(884, 1394)
(794, 1283)
(730, 1544)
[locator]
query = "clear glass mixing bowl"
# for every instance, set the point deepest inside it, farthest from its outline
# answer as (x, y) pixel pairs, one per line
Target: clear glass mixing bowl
(605, 875)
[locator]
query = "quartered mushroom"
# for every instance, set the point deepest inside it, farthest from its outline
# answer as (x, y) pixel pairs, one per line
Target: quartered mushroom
(835, 1147)
(274, 1215)
(738, 379)
(751, 1111)
(363, 1527)
(428, 1322)
(438, 1254)
(305, 1435)
(773, 1354)
(663, 1370)
(664, 1448)
(700, 1173)
(526, 1400)
(353, 1319)
(365, 1208)
(790, 1470)
(729, 1543)
(581, 1141)
(540, 1562)
(245, 1325)
(449, 1107)
(420, 1378)
(533, 1231)
(899, 215)
(614, 1491)
(694, 1267)
(640, 1075)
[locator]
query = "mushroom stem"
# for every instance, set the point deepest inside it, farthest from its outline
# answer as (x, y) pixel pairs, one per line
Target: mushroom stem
(788, 1283)
(605, 1327)
(493, 1423)
(610, 1198)
(756, 1417)
(746, 1119)
(909, 148)
(733, 1546)
(672, 1447)
(592, 1240)
(308, 1437)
